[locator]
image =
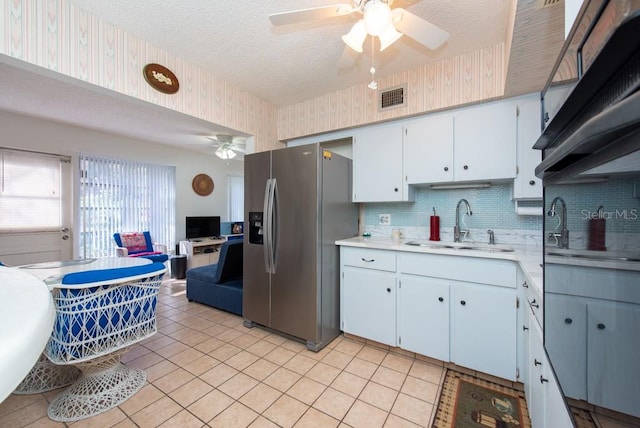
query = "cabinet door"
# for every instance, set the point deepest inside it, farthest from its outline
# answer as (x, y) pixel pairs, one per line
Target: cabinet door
(522, 332)
(566, 341)
(377, 164)
(423, 316)
(534, 389)
(368, 304)
(428, 149)
(612, 354)
(483, 328)
(485, 142)
(527, 185)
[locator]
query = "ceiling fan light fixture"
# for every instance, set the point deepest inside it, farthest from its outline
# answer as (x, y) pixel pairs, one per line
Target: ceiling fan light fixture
(225, 153)
(388, 37)
(355, 37)
(377, 17)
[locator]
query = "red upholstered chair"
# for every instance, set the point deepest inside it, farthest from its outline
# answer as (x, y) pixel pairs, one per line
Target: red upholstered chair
(139, 244)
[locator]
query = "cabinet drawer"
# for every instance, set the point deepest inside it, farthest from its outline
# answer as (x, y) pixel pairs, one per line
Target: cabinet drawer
(460, 268)
(370, 259)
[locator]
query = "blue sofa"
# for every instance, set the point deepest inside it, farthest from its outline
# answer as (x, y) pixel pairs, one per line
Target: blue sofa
(219, 285)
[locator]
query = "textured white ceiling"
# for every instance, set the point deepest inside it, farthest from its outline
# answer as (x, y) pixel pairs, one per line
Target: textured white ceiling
(234, 40)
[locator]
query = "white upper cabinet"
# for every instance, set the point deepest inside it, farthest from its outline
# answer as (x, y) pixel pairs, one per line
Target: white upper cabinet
(527, 185)
(377, 165)
(428, 149)
(476, 143)
(485, 142)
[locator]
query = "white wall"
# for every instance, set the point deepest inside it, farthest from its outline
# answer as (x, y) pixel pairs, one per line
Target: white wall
(23, 132)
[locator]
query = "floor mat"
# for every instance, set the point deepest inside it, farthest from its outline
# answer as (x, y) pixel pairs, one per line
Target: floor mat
(469, 402)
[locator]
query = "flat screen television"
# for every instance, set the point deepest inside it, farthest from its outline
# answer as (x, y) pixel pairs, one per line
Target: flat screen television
(203, 227)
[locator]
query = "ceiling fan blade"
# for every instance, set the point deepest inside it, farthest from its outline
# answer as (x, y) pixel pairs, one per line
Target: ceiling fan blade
(301, 15)
(418, 29)
(238, 149)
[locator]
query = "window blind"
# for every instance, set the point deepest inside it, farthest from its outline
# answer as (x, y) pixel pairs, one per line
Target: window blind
(124, 196)
(236, 198)
(30, 191)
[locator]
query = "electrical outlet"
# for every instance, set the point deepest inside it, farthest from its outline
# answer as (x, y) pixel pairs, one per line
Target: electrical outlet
(385, 219)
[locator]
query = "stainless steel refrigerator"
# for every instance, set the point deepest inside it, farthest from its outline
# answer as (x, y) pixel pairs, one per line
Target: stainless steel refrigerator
(297, 203)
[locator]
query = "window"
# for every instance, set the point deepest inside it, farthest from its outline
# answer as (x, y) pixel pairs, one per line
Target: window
(124, 196)
(236, 198)
(30, 191)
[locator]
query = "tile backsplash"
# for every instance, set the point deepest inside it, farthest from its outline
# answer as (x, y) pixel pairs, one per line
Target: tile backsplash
(492, 208)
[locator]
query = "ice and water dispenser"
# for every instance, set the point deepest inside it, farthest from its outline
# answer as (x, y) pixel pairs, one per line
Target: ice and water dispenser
(255, 228)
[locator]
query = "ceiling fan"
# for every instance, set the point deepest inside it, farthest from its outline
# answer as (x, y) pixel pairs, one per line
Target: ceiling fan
(378, 20)
(227, 146)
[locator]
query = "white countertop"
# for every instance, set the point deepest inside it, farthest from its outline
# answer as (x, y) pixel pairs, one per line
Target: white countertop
(529, 258)
(27, 314)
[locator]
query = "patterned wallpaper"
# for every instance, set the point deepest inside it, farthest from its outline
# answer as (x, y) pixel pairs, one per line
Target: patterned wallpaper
(463, 79)
(60, 37)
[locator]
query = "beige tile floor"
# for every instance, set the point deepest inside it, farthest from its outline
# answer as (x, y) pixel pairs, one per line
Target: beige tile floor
(204, 368)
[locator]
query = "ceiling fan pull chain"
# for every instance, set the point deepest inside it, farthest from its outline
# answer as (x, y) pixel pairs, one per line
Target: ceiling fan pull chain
(373, 84)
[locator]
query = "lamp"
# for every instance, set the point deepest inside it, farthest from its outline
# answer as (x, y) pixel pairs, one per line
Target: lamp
(388, 37)
(225, 153)
(377, 21)
(377, 16)
(355, 38)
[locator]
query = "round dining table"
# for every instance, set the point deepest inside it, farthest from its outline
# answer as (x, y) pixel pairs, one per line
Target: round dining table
(27, 314)
(53, 272)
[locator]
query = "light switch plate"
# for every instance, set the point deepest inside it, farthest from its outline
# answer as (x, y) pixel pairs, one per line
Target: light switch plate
(385, 219)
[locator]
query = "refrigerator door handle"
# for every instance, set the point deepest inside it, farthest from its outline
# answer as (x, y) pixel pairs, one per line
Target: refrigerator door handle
(274, 224)
(266, 226)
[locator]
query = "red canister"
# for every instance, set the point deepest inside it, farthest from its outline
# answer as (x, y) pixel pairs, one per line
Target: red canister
(434, 223)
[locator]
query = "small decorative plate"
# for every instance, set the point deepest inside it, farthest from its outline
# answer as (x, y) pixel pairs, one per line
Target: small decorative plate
(161, 78)
(202, 184)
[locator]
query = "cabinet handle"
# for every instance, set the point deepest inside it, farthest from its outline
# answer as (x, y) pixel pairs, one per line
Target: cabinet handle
(534, 304)
(546, 116)
(536, 362)
(525, 285)
(525, 328)
(395, 189)
(568, 320)
(532, 183)
(446, 168)
(543, 380)
(466, 167)
(440, 299)
(388, 290)
(462, 302)
(368, 260)
(601, 326)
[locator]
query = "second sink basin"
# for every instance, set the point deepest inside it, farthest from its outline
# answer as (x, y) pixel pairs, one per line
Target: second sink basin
(461, 246)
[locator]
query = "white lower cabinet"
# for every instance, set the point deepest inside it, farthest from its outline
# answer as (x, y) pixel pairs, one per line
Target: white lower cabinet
(546, 405)
(421, 301)
(370, 296)
(483, 328)
(423, 316)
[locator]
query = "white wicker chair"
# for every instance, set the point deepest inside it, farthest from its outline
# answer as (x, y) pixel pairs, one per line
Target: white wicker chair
(98, 315)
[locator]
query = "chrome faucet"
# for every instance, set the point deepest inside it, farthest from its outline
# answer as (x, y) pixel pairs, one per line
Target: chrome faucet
(456, 228)
(562, 237)
(492, 237)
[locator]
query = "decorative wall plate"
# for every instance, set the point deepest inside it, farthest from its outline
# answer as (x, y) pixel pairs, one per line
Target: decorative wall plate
(202, 184)
(161, 78)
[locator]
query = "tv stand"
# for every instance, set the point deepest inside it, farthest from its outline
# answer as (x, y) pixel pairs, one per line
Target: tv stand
(201, 251)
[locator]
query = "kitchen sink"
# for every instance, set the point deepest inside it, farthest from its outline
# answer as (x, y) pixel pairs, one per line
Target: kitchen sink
(594, 255)
(461, 246)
